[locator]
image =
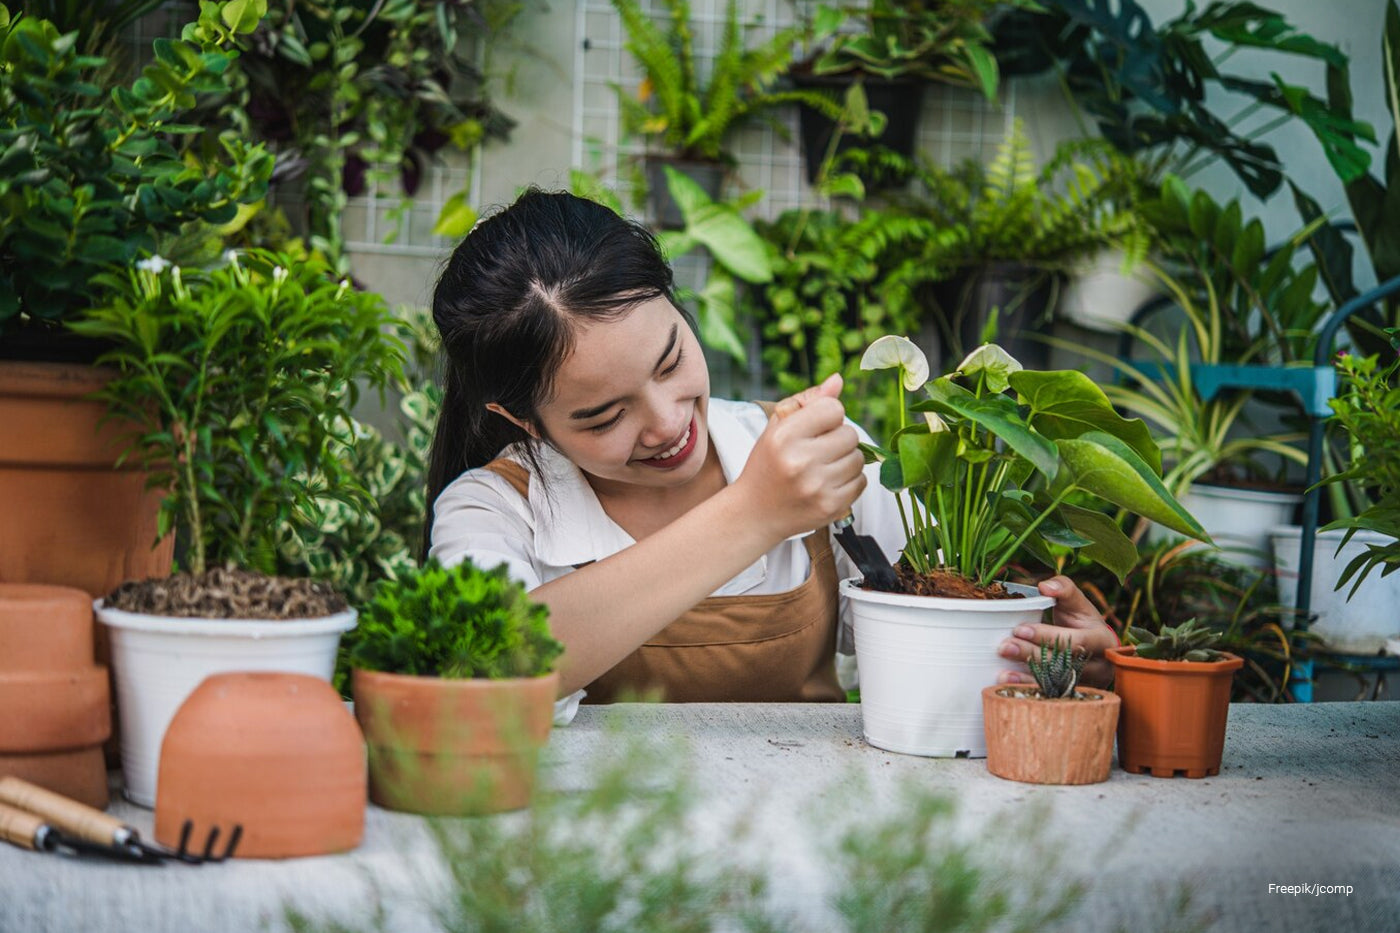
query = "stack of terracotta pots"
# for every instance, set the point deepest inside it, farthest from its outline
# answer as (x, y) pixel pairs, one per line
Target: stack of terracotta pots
(54, 701)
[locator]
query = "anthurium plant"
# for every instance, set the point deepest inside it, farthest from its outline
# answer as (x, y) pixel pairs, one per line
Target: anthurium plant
(1008, 460)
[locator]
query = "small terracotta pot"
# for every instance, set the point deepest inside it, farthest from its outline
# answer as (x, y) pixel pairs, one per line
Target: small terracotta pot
(453, 747)
(1174, 713)
(55, 704)
(275, 752)
(1049, 741)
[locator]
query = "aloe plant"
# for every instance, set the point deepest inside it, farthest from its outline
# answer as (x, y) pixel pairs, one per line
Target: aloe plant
(1056, 670)
(1005, 459)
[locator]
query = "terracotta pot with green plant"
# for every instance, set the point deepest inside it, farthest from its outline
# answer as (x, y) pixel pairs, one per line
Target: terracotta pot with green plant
(1006, 461)
(454, 684)
(241, 380)
(1175, 687)
(1055, 732)
(691, 119)
(96, 173)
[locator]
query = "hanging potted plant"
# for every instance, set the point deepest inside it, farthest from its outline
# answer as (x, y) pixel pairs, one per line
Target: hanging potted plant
(240, 380)
(691, 119)
(1005, 461)
(454, 684)
(1175, 688)
(93, 176)
(1055, 732)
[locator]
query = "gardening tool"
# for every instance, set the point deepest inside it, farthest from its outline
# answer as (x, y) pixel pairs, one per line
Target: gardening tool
(29, 831)
(72, 822)
(869, 559)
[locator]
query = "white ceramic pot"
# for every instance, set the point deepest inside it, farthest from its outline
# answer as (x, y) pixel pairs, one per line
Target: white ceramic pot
(160, 660)
(1360, 625)
(924, 661)
(1237, 520)
(1099, 296)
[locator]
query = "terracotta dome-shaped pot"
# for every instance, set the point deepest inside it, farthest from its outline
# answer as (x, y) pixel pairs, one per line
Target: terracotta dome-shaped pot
(1174, 713)
(453, 747)
(1041, 741)
(55, 709)
(277, 753)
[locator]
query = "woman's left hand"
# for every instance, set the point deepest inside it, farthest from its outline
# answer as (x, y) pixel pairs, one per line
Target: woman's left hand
(1075, 619)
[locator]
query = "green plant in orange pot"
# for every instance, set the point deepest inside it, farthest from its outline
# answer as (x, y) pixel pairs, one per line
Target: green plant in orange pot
(1175, 687)
(454, 685)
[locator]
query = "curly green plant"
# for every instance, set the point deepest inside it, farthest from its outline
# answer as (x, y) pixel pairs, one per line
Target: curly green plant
(1189, 641)
(455, 622)
(1056, 670)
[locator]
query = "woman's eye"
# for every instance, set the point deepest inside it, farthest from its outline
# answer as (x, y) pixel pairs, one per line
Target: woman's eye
(599, 428)
(680, 355)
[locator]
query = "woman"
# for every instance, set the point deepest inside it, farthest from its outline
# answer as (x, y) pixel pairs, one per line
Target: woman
(681, 542)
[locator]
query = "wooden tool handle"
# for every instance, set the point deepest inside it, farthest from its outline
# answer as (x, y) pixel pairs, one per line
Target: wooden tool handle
(75, 818)
(19, 827)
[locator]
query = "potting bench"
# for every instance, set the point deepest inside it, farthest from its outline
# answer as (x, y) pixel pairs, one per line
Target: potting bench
(1306, 796)
(1314, 386)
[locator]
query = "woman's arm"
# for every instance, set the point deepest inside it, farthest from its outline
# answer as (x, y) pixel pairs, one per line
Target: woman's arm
(804, 472)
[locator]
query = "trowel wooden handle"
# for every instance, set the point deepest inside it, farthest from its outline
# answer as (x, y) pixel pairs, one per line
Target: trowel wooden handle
(19, 827)
(75, 818)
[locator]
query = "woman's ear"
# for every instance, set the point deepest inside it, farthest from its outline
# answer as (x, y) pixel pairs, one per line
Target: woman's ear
(525, 426)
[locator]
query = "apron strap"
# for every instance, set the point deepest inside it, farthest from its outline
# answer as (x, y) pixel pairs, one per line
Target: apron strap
(513, 473)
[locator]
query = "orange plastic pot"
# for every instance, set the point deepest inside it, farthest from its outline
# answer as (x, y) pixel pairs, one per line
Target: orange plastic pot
(1174, 713)
(1049, 741)
(453, 747)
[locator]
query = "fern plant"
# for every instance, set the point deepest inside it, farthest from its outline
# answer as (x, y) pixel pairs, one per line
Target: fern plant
(691, 119)
(1056, 670)
(454, 622)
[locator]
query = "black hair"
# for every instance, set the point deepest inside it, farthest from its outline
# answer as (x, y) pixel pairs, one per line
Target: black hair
(506, 306)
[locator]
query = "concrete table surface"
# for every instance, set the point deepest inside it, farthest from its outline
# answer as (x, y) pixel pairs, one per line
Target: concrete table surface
(1309, 794)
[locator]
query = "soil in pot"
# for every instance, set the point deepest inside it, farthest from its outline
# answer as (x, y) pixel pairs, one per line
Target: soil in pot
(948, 584)
(228, 593)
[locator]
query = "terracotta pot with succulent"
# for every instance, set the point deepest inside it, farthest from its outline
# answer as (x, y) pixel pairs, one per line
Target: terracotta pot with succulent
(239, 379)
(1006, 461)
(1175, 687)
(454, 683)
(1055, 732)
(690, 119)
(94, 174)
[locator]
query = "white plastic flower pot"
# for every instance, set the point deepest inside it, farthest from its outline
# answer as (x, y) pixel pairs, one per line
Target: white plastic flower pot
(1099, 296)
(1237, 520)
(159, 661)
(1361, 625)
(924, 661)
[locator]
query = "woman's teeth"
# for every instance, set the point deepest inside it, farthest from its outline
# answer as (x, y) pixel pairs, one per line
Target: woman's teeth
(680, 445)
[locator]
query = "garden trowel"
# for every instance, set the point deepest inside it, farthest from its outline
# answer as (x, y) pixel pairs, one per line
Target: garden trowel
(866, 553)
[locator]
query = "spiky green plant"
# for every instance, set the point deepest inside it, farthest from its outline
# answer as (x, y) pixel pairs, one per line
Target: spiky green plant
(1057, 669)
(1189, 641)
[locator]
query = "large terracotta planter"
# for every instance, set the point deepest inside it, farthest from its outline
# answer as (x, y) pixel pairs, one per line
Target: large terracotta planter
(453, 747)
(1058, 741)
(1174, 713)
(72, 518)
(276, 753)
(55, 709)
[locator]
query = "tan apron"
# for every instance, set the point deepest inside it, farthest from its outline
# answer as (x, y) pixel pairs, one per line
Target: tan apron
(772, 647)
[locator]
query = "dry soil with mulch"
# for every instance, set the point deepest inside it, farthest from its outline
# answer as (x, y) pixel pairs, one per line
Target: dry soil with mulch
(948, 584)
(228, 593)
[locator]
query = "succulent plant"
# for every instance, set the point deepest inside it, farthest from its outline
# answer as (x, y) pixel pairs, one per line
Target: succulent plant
(1186, 642)
(1057, 669)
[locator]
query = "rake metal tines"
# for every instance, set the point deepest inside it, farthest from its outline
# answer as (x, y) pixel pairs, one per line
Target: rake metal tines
(183, 853)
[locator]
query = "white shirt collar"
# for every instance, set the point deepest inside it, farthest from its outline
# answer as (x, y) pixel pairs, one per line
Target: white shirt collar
(571, 527)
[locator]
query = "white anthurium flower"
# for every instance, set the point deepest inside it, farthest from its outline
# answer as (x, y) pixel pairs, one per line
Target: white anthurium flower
(890, 351)
(935, 424)
(279, 275)
(995, 362)
(155, 265)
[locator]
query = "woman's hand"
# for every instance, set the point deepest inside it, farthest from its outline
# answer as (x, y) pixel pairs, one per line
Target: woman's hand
(806, 468)
(1075, 619)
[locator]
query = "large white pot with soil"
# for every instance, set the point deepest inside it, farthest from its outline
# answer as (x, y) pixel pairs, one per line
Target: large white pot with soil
(924, 661)
(1238, 520)
(1361, 625)
(160, 660)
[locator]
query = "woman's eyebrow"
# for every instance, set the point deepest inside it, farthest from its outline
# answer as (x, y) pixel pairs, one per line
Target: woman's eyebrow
(583, 414)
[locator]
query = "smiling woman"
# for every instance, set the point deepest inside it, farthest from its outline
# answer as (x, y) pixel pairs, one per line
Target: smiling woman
(681, 543)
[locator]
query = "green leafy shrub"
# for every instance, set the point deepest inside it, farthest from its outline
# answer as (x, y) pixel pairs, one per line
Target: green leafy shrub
(456, 622)
(241, 378)
(90, 179)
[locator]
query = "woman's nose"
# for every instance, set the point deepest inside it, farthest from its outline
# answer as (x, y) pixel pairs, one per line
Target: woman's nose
(664, 424)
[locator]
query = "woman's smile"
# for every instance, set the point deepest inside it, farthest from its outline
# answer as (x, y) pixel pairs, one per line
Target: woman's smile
(678, 453)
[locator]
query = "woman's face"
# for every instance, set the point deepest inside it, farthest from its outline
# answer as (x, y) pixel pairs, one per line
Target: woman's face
(630, 401)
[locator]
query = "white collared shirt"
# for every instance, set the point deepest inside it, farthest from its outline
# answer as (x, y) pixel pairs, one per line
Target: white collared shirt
(562, 525)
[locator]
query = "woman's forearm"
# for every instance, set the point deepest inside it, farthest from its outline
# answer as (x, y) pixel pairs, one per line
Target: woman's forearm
(604, 611)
